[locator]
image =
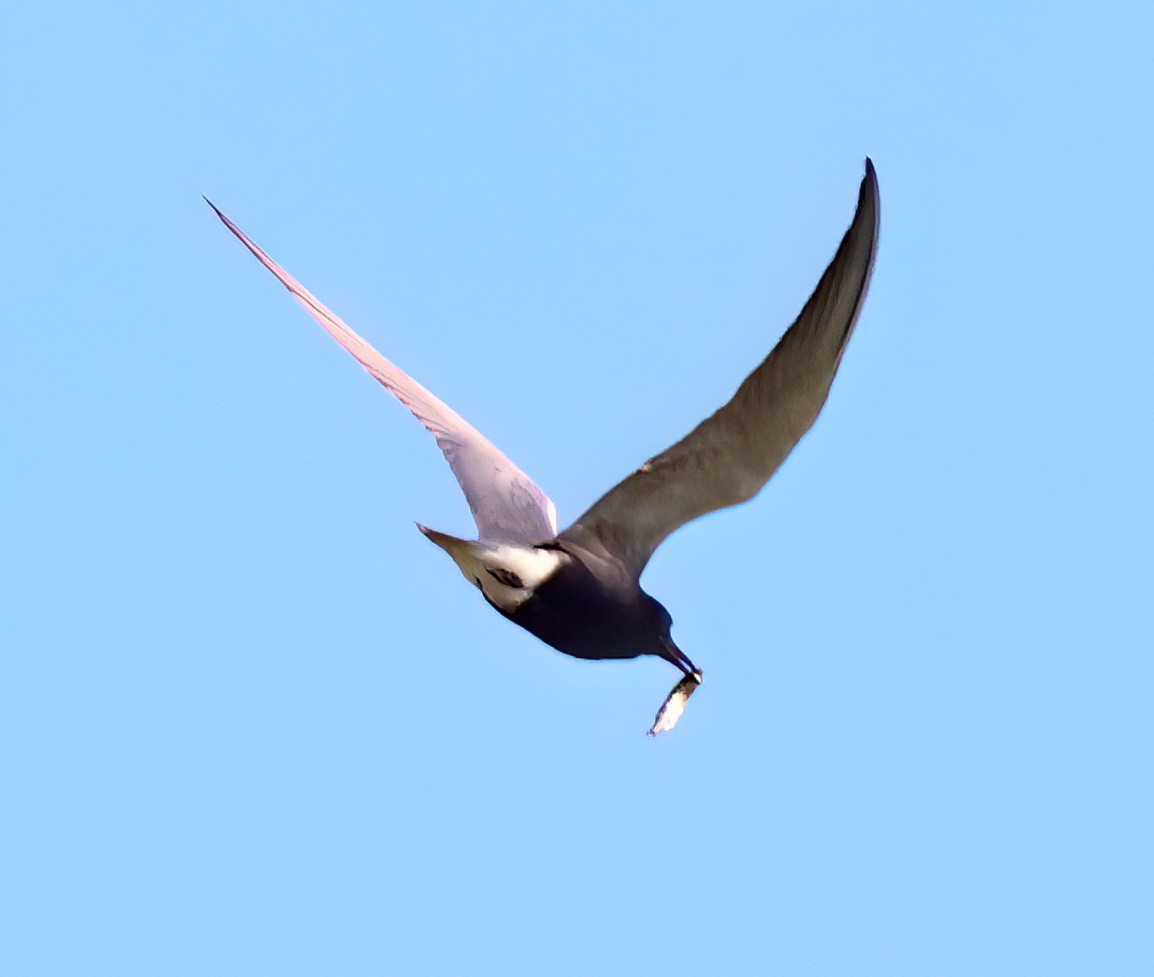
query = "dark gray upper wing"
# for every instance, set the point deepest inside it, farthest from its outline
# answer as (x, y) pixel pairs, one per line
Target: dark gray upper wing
(507, 505)
(728, 457)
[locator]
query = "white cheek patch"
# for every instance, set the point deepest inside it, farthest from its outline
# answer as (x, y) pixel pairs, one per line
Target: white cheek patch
(507, 574)
(530, 565)
(510, 574)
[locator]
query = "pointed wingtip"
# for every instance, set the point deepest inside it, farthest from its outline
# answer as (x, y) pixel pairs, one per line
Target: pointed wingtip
(868, 203)
(870, 180)
(230, 225)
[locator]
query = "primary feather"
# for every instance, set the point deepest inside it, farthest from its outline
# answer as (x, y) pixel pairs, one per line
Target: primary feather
(507, 505)
(729, 457)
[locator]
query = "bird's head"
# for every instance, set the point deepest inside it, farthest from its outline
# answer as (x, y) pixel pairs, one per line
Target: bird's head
(658, 627)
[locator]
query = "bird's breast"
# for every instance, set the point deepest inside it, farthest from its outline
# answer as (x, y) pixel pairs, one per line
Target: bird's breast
(580, 614)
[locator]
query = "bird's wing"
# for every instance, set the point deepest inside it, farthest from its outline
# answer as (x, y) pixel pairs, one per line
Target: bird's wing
(507, 505)
(729, 456)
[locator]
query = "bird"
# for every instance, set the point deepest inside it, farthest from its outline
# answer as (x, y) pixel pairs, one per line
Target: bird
(579, 590)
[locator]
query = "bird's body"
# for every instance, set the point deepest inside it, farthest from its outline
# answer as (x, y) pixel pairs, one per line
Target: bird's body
(579, 590)
(583, 605)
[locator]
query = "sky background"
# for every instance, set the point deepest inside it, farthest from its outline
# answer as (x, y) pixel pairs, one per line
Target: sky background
(252, 723)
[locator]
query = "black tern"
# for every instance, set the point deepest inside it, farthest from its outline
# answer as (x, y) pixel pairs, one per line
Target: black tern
(579, 590)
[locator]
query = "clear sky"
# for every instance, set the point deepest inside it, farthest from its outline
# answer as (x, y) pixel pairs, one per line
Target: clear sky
(252, 723)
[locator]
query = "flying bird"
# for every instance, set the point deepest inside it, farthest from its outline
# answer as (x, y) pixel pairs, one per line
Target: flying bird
(579, 590)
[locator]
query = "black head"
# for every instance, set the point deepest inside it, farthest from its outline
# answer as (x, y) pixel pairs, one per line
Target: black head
(659, 624)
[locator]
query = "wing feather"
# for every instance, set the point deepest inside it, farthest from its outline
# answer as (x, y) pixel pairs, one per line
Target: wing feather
(507, 505)
(729, 457)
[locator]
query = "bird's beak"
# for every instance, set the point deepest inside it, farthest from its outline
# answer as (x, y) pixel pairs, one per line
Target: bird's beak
(675, 656)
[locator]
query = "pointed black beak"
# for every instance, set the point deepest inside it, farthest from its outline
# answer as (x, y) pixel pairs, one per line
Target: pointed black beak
(675, 656)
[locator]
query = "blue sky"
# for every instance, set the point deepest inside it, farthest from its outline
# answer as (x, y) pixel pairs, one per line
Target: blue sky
(253, 723)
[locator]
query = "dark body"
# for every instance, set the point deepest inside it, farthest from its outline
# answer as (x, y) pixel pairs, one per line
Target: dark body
(591, 613)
